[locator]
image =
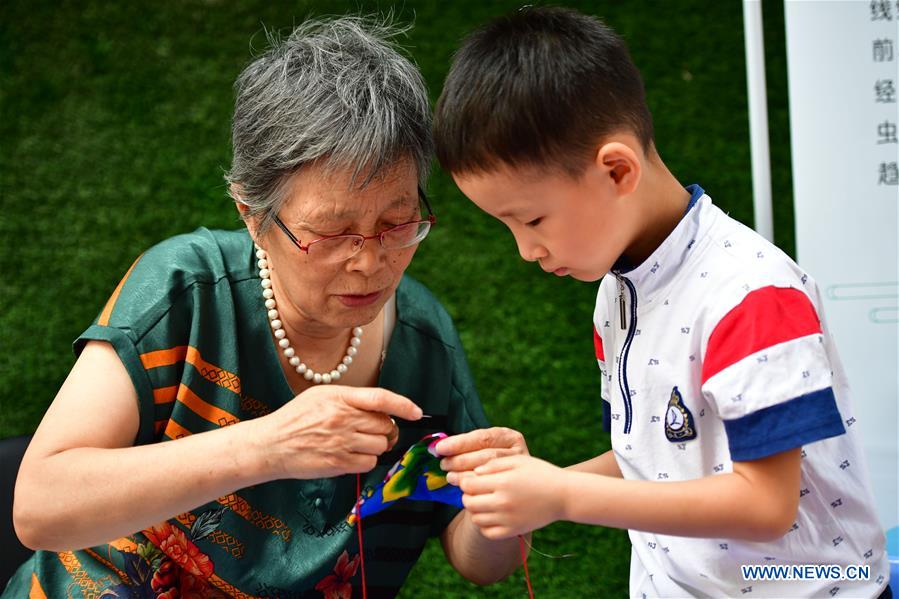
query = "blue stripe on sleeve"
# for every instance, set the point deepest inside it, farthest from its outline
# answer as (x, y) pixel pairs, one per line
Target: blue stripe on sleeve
(796, 422)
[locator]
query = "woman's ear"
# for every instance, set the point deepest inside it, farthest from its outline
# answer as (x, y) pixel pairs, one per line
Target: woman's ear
(235, 190)
(621, 164)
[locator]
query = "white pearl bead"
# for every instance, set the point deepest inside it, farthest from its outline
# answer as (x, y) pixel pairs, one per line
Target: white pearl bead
(281, 335)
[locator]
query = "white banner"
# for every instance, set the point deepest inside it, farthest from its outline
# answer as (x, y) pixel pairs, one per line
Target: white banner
(842, 61)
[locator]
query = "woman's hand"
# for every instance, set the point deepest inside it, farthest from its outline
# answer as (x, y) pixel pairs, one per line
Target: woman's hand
(331, 430)
(467, 451)
(514, 495)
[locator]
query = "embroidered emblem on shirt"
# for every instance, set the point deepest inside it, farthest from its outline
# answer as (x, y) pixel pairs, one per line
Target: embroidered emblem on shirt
(679, 424)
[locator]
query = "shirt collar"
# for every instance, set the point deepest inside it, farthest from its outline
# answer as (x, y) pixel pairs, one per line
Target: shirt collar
(664, 263)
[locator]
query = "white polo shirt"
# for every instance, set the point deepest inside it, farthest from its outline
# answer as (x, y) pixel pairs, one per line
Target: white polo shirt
(715, 350)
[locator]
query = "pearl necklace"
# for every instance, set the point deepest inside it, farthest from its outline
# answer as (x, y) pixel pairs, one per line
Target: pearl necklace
(281, 335)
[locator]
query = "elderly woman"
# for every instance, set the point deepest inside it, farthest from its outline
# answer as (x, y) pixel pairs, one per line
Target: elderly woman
(200, 445)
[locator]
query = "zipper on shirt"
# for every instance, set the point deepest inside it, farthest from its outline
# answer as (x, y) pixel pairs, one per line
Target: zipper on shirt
(625, 350)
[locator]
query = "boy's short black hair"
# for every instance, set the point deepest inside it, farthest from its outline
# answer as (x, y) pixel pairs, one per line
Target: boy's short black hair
(538, 88)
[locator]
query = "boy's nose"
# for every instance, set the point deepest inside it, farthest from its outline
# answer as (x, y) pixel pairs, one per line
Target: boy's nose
(531, 252)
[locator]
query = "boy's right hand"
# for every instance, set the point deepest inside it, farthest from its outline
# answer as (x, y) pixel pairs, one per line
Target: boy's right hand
(465, 452)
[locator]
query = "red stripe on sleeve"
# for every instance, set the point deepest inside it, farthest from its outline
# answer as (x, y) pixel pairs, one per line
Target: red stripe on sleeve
(597, 345)
(764, 318)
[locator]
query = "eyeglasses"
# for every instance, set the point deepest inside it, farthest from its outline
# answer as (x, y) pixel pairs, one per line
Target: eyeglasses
(337, 248)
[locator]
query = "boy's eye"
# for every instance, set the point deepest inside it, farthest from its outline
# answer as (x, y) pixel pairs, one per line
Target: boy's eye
(534, 222)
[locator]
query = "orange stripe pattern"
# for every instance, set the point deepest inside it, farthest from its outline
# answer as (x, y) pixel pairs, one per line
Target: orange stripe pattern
(110, 303)
(173, 430)
(124, 545)
(88, 585)
(228, 588)
(191, 355)
(164, 395)
(227, 542)
(242, 508)
(212, 373)
(125, 578)
(37, 591)
(204, 409)
(163, 357)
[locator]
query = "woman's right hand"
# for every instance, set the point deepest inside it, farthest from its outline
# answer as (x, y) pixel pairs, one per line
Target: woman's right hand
(330, 430)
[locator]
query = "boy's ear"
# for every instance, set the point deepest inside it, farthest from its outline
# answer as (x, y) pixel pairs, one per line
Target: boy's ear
(621, 164)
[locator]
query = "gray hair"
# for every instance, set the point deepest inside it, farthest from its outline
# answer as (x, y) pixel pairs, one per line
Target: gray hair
(336, 93)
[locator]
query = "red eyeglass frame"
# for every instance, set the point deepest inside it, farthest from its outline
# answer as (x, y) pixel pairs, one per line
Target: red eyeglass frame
(432, 219)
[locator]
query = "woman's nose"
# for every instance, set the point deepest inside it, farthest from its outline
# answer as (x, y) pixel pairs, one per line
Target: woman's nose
(370, 258)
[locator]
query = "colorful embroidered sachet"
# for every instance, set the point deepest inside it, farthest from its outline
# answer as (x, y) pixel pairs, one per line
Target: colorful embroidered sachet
(417, 476)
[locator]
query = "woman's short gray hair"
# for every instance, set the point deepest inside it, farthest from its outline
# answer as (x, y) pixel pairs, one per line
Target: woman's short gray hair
(336, 93)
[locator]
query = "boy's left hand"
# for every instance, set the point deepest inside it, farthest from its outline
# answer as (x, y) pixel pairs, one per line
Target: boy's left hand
(514, 495)
(464, 452)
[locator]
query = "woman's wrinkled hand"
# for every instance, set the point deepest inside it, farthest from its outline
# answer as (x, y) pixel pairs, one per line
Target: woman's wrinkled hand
(331, 430)
(465, 452)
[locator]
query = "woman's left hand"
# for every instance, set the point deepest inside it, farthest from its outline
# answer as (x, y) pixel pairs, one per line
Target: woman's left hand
(465, 452)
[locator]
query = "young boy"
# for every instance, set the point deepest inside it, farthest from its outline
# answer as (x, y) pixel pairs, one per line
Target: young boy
(733, 440)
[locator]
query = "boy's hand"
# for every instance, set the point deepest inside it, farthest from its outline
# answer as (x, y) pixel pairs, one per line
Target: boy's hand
(514, 495)
(463, 453)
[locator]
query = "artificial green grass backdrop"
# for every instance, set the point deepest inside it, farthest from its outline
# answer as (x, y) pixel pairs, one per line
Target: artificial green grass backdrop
(114, 134)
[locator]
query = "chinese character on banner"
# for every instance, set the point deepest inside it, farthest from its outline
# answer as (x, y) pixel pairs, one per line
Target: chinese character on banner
(889, 174)
(886, 131)
(883, 50)
(881, 10)
(885, 91)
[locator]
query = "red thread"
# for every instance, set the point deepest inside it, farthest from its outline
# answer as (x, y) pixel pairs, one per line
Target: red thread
(359, 531)
(524, 561)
